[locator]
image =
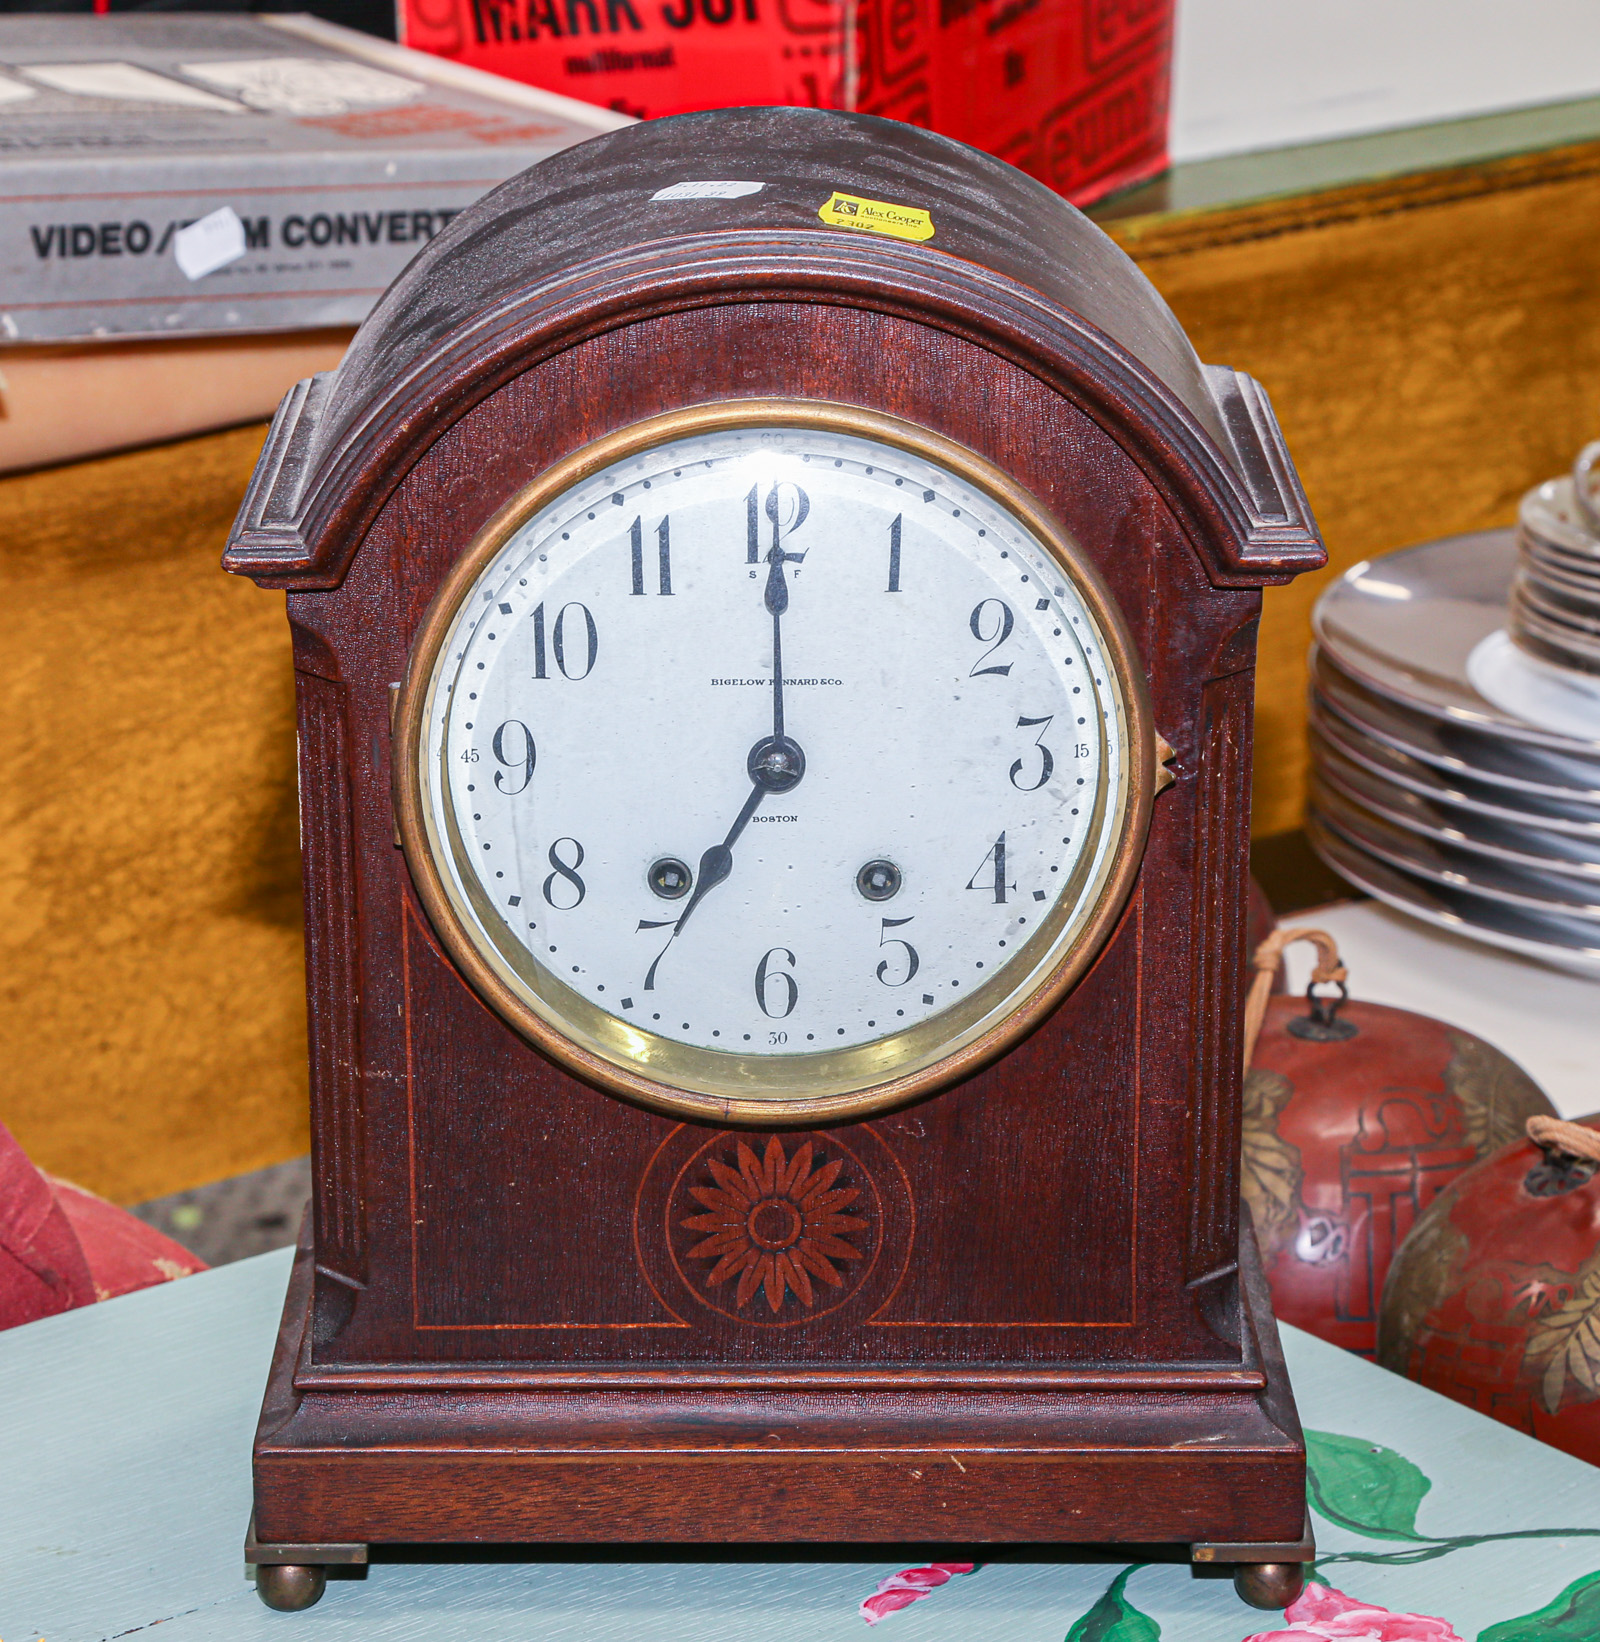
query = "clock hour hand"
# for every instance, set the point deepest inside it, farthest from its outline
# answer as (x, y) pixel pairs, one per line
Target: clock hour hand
(775, 765)
(717, 862)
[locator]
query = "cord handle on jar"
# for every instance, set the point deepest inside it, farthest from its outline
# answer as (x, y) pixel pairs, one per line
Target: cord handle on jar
(1328, 971)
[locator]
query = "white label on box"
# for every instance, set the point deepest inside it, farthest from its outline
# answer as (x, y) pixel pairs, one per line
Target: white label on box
(305, 85)
(127, 83)
(209, 244)
(707, 191)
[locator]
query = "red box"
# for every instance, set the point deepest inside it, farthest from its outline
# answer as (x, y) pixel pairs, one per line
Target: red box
(1072, 91)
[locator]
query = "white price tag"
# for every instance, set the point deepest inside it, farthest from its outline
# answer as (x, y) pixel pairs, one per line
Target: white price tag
(707, 191)
(209, 244)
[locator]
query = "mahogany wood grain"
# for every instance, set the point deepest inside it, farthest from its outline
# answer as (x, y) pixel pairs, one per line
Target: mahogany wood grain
(1045, 1335)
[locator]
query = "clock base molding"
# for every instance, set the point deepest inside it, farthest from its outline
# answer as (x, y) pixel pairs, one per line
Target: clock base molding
(571, 1462)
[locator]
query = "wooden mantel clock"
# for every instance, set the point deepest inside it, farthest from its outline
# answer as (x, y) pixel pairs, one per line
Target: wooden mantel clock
(774, 599)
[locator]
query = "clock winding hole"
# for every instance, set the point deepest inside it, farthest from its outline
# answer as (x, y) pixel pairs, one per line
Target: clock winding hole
(670, 878)
(879, 880)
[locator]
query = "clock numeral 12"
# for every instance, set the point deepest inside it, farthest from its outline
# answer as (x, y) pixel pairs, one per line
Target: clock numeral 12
(995, 880)
(663, 556)
(558, 642)
(894, 554)
(777, 495)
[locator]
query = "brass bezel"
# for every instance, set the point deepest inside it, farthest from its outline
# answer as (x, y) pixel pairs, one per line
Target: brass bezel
(841, 1092)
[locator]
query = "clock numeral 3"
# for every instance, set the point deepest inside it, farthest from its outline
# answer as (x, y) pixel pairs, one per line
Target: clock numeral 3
(1003, 623)
(992, 870)
(1047, 761)
(913, 963)
(569, 873)
(509, 753)
(663, 556)
(766, 980)
(559, 642)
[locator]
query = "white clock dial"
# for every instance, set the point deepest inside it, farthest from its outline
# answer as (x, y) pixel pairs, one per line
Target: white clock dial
(770, 742)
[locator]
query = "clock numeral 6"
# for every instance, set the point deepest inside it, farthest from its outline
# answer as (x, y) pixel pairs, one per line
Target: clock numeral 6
(559, 642)
(1047, 761)
(566, 872)
(516, 752)
(1003, 622)
(766, 980)
(912, 961)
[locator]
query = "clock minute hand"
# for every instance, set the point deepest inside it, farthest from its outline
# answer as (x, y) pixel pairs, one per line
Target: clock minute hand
(777, 601)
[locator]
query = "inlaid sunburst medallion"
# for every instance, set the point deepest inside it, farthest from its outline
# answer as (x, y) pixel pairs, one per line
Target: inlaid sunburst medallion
(761, 1230)
(777, 1225)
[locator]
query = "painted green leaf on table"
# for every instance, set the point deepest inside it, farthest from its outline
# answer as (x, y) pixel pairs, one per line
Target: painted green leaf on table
(1114, 1618)
(1363, 1486)
(1574, 1616)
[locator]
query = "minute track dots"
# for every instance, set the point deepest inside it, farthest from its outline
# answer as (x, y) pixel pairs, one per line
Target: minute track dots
(775, 900)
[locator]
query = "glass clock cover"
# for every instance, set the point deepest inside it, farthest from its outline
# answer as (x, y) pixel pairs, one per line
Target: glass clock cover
(765, 758)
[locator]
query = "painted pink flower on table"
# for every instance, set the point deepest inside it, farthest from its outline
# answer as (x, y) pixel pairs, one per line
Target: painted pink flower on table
(910, 1585)
(1326, 1615)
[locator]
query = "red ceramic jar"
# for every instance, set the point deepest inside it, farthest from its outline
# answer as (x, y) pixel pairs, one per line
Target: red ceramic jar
(1350, 1132)
(1494, 1298)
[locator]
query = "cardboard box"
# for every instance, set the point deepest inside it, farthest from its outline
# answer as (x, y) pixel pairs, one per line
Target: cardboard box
(186, 174)
(1072, 91)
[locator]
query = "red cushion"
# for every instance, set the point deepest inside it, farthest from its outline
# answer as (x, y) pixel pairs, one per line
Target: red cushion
(62, 1247)
(43, 1268)
(123, 1252)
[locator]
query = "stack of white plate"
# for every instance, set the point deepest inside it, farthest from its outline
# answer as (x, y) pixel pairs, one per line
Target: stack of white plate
(1555, 595)
(1457, 772)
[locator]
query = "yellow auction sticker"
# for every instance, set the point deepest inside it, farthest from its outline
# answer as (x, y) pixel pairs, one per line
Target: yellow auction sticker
(876, 216)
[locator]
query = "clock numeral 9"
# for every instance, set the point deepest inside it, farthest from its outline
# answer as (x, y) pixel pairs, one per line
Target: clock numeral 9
(517, 753)
(568, 873)
(1047, 761)
(1004, 621)
(765, 981)
(913, 963)
(558, 642)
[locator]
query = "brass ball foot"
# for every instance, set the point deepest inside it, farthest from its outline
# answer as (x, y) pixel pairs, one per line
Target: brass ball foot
(1269, 1584)
(288, 1587)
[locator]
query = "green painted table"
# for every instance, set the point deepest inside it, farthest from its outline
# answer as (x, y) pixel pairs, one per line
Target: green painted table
(125, 1487)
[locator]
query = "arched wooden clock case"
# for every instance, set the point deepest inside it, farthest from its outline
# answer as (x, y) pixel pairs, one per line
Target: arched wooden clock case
(1062, 1334)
